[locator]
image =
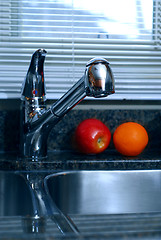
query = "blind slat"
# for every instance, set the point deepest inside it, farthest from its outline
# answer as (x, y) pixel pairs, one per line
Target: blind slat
(73, 32)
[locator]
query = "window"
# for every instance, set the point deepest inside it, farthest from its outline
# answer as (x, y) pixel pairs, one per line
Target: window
(127, 33)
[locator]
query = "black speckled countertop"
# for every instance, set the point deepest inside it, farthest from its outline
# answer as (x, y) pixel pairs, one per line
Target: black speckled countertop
(62, 157)
(70, 160)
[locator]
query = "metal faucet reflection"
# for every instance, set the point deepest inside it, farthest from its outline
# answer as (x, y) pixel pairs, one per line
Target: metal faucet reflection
(36, 120)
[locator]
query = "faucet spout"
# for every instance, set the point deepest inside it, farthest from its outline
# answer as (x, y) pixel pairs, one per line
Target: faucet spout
(37, 121)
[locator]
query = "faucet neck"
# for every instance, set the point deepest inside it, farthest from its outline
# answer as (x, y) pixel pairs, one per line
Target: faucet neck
(37, 121)
(34, 132)
(33, 108)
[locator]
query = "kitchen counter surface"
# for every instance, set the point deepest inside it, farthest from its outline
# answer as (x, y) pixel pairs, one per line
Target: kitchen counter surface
(69, 160)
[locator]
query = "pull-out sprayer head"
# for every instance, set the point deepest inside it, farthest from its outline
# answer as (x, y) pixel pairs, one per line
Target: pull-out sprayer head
(99, 81)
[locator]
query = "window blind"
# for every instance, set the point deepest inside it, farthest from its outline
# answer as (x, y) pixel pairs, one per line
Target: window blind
(127, 33)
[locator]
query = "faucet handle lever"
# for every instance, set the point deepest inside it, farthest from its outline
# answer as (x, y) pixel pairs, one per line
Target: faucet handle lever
(34, 84)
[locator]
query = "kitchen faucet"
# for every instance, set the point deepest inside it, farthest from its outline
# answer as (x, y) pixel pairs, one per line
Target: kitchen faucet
(36, 120)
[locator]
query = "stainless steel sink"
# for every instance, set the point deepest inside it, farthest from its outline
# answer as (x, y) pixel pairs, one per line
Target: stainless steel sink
(106, 192)
(15, 196)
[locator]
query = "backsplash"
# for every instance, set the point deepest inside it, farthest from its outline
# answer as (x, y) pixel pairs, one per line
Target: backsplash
(60, 137)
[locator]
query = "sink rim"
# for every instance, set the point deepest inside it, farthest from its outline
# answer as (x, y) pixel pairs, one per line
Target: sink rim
(132, 192)
(65, 172)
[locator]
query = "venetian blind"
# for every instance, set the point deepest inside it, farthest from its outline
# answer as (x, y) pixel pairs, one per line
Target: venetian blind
(127, 33)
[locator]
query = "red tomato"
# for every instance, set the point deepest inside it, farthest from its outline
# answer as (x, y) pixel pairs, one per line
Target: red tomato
(92, 136)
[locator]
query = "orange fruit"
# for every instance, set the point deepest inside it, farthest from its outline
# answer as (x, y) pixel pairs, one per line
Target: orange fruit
(130, 138)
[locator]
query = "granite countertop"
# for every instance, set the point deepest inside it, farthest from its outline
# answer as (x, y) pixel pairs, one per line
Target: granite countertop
(70, 160)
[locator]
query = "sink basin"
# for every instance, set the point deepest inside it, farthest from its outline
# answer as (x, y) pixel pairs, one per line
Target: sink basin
(15, 196)
(106, 192)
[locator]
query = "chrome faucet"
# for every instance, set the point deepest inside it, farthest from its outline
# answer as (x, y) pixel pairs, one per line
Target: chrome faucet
(36, 120)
